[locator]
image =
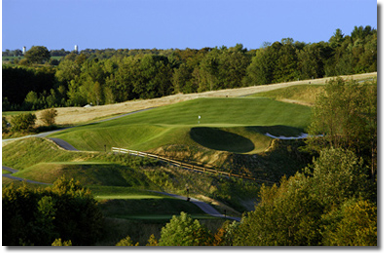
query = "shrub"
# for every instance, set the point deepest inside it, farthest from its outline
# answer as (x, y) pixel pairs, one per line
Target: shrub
(4, 125)
(48, 116)
(126, 242)
(23, 122)
(40, 216)
(184, 231)
(59, 242)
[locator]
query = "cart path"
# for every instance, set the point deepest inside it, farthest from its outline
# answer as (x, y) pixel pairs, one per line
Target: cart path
(64, 144)
(207, 208)
(19, 178)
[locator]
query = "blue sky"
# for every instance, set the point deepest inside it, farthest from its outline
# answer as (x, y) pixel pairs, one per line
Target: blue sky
(180, 24)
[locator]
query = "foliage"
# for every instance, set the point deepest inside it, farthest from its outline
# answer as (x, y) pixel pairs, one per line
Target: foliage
(346, 114)
(4, 125)
(338, 175)
(225, 235)
(59, 242)
(152, 241)
(19, 81)
(184, 231)
(39, 216)
(314, 208)
(127, 241)
(23, 122)
(37, 55)
(286, 216)
(352, 224)
(48, 116)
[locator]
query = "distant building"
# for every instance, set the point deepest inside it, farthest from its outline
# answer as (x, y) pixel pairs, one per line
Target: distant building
(76, 48)
(24, 50)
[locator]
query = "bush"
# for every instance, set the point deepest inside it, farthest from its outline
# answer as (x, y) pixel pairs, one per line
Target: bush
(42, 216)
(4, 125)
(184, 231)
(59, 242)
(126, 242)
(48, 116)
(23, 122)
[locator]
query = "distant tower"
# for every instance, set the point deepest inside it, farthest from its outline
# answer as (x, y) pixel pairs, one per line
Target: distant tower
(24, 50)
(76, 48)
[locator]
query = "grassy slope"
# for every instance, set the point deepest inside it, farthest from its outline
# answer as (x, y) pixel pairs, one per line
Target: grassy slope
(40, 160)
(238, 119)
(305, 94)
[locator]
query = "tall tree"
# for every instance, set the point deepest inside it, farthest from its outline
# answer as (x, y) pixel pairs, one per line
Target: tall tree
(37, 55)
(184, 231)
(346, 114)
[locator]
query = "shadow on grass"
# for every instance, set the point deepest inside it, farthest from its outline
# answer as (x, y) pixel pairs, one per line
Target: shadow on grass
(217, 139)
(276, 130)
(148, 209)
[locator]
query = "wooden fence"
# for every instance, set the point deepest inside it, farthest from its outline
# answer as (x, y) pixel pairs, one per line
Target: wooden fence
(185, 165)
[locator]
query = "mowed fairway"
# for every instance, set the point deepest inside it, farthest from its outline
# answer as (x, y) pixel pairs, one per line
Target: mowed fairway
(239, 122)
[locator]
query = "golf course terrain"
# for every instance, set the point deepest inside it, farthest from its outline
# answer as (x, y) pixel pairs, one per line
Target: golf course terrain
(230, 134)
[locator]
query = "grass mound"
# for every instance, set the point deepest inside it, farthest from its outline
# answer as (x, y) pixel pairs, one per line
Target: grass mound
(90, 173)
(223, 125)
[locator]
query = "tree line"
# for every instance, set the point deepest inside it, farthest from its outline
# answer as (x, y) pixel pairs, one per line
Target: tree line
(110, 76)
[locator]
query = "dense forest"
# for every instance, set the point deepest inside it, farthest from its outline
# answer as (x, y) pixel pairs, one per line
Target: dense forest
(110, 76)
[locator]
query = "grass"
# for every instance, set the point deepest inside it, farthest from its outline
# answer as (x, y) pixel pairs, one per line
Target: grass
(234, 120)
(40, 160)
(302, 94)
(148, 208)
(118, 192)
(25, 153)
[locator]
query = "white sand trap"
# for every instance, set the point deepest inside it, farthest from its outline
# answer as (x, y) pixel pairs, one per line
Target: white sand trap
(302, 136)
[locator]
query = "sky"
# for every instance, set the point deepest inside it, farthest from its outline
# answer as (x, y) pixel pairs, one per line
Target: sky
(165, 24)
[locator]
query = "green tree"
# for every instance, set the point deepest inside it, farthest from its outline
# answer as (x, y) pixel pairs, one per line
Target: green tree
(78, 216)
(286, 64)
(310, 62)
(285, 216)
(152, 241)
(352, 224)
(4, 125)
(48, 116)
(337, 39)
(346, 114)
(37, 55)
(182, 79)
(337, 175)
(184, 231)
(260, 71)
(59, 242)
(127, 241)
(44, 229)
(67, 71)
(38, 216)
(23, 122)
